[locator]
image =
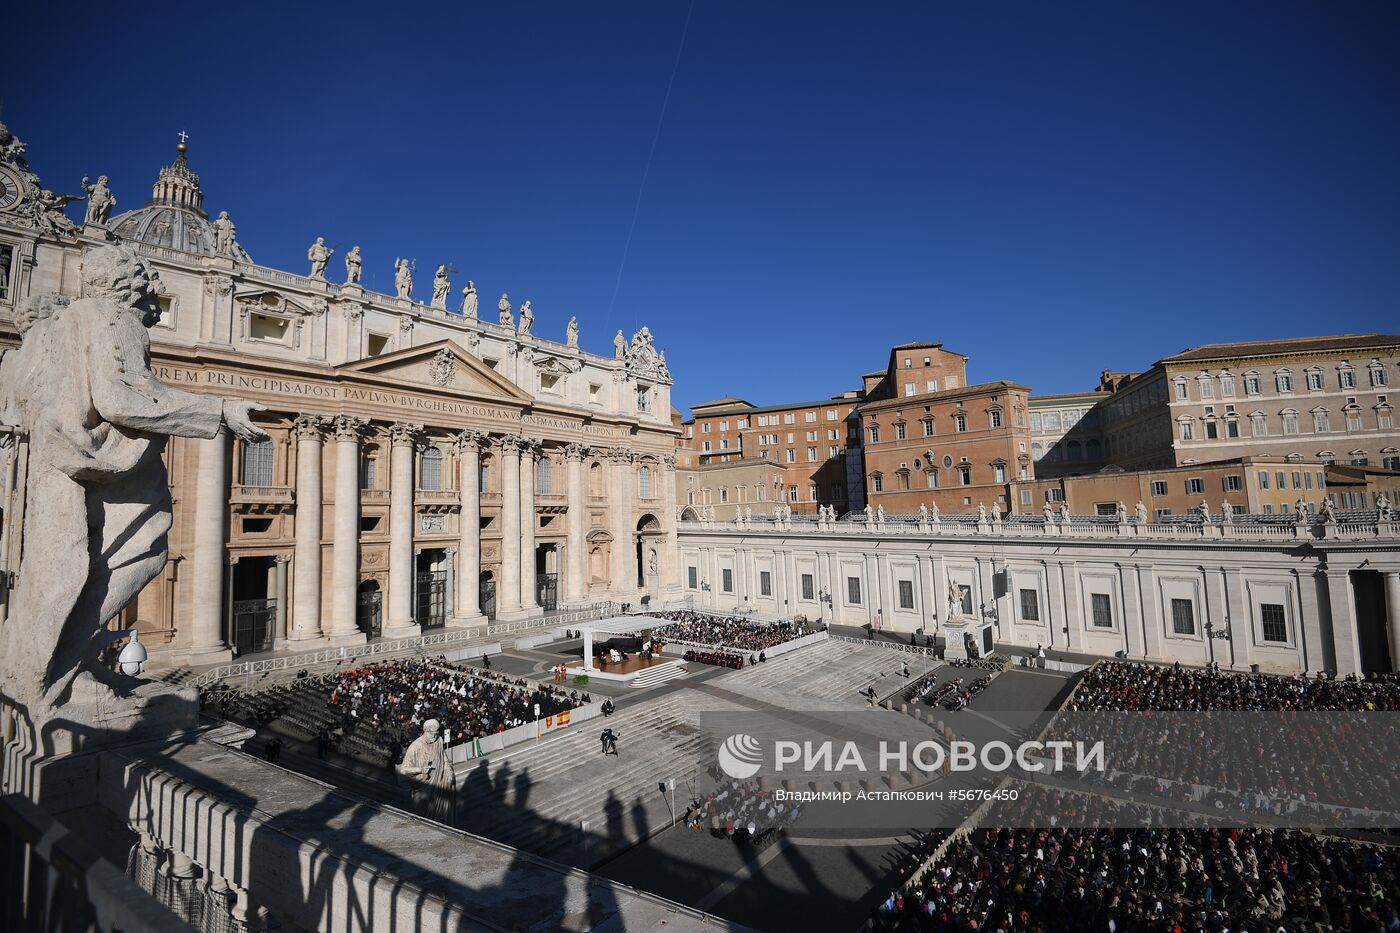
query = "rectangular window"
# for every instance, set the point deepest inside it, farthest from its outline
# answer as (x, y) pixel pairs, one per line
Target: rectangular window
(791, 455)
(1183, 617)
(877, 482)
(1263, 479)
(1377, 374)
(1159, 487)
(1182, 393)
(792, 493)
(257, 463)
(7, 259)
(909, 388)
(1348, 379)
(692, 576)
(765, 583)
(808, 586)
(1000, 471)
(960, 423)
(965, 592)
(1207, 389)
(928, 427)
(965, 472)
(1187, 432)
(1195, 486)
(1274, 623)
(809, 416)
(1284, 381)
(1259, 425)
(1105, 509)
(1102, 605)
(1290, 423)
(1160, 515)
(1315, 381)
(726, 580)
(1227, 386)
(853, 590)
(899, 431)
(790, 418)
(1253, 385)
(1233, 484)
(811, 454)
(906, 594)
(996, 418)
(367, 473)
(1030, 606)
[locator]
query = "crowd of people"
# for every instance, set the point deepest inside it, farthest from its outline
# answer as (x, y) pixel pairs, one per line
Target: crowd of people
(732, 632)
(1116, 685)
(398, 696)
(717, 658)
(1096, 877)
(742, 811)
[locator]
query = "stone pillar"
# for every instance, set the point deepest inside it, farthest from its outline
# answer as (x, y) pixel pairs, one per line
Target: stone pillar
(671, 551)
(306, 587)
(508, 587)
(1346, 651)
(529, 455)
(345, 536)
(207, 622)
(403, 439)
(576, 549)
(1392, 615)
(279, 635)
(623, 570)
(469, 445)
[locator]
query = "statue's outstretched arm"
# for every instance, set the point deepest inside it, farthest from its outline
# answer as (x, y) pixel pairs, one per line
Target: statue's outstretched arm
(126, 392)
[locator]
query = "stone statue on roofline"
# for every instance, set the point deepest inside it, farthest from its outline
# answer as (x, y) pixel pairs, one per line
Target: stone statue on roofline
(319, 254)
(441, 286)
(97, 503)
(527, 318)
(571, 333)
(1141, 511)
(403, 278)
(469, 299)
(506, 318)
(100, 201)
(224, 231)
(353, 265)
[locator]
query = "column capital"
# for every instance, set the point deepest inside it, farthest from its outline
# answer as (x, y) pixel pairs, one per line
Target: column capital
(472, 440)
(311, 427)
(281, 558)
(670, 460)
(531, 450)
(349, 427)
(405, 433)
(576, 452)
(511, 443)
(621, 454)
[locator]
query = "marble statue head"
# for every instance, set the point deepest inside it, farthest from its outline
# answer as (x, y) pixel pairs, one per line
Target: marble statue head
(432, 729)
(223, 215)
(36, 308)
(119, 275)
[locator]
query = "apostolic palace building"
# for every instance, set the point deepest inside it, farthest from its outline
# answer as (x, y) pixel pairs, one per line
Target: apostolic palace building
(424, 467)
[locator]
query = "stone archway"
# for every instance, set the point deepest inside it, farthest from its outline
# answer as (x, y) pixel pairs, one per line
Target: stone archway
(650, 538)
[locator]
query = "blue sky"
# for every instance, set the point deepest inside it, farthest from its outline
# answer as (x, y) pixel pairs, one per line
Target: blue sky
(1051, 189)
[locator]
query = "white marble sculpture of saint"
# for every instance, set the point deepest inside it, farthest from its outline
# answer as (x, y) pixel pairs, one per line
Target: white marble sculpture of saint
(97, 507)
(571, 333)
(527, 318)
(619, 346)
(353, 264)
(319, 254)
(224, 231)
(441, 286)
(469, 300)
(100, 201)
(403, 278)
(506, 318)
(428, 774)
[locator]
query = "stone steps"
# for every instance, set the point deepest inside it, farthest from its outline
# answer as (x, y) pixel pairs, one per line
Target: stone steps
(659, 675)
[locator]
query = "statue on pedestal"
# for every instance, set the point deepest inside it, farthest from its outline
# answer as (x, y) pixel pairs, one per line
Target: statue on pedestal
(100, 201)
(223, 236)
(1382, 507)
(506, 318)
(49, 213)
(319, 254)
(1328, 513)
(97, 504)
(981, 514)
(527, 318)
(428, 775)
(954, 601)
(571, 333)
(403, 278)
(1141, 511)
(996, 513)
(1120, 513)
(1064, 513)
(353, 264)
(619, 346)
(1049, 513)
(441, 286)
(469, 299)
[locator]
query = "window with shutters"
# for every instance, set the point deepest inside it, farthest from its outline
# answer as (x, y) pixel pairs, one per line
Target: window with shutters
(1183, 617)
(1030, 606)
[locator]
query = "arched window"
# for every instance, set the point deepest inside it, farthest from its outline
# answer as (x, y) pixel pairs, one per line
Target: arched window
(544, 477)
(1093, 450)
(257, 463)
(367, 471)
(430, 471)
(644, 482)
(1074, 451)
(483, 475)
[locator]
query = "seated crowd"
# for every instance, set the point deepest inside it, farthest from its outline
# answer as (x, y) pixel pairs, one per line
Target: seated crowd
(735, 633)
(400, 695)
(743, 811)
(1115, 685)
(717, 658)
(1147, 878)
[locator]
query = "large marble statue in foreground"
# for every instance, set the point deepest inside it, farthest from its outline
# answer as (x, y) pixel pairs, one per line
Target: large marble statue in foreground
(97, 504)
(427, 774)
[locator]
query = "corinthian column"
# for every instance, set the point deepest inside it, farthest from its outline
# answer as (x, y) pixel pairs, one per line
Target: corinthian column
(469, 444)
(576, 551)
(529, 454)
(508, 589)
(403, 439)
(671, 553)
(306, 584)
(206, 641)
(345, 535)
(624, 558)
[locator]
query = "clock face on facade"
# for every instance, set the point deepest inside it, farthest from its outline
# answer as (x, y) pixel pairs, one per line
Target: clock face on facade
(11, 190)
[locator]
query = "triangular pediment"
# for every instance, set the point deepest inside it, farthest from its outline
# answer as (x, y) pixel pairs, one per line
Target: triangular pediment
(442, 365)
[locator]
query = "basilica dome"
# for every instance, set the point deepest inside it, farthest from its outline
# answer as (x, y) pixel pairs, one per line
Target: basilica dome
(174, 217)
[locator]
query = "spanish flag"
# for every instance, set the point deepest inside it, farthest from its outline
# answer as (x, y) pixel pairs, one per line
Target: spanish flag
(563, 719)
